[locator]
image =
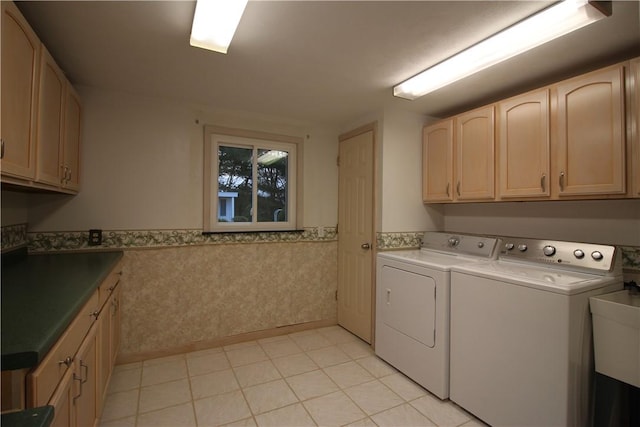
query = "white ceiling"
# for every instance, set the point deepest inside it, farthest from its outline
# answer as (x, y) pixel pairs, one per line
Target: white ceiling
(326, 62)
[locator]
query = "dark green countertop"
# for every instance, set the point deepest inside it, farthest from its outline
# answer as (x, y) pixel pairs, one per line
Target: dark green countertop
(41, 295)
(36, 417)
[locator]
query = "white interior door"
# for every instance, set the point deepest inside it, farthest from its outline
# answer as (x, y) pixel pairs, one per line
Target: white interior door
(355, 232)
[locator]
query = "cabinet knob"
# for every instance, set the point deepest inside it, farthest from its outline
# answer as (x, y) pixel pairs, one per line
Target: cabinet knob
(67, 361)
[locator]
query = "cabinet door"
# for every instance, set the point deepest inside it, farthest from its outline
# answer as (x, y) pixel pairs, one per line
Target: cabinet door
(85, 380)
(20, 62)
(104, 350)
(634, 125)
(437, 162)
(475, 167)
(62, 402)
(590, 135)
(116, 323)
(71, 140)
(52, 83)
(523, 140)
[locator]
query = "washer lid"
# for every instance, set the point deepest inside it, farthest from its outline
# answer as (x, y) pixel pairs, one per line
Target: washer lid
(426, 258)
(543, 278)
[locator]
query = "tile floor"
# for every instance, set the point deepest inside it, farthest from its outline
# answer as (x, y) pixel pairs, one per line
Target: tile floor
(325, 377)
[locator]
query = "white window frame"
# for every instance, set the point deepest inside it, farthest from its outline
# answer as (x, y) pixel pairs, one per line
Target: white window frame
(217, 135)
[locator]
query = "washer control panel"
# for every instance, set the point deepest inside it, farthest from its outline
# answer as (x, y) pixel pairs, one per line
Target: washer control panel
(574, 254)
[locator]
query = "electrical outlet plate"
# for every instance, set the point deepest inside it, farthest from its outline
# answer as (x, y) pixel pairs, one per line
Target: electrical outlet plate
(95, 237)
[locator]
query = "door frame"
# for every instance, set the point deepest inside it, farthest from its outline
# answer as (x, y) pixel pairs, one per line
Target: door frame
(373, 128)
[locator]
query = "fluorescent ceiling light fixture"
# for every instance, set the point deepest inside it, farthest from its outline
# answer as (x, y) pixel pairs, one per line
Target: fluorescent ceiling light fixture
(215, 23)
(549, 24)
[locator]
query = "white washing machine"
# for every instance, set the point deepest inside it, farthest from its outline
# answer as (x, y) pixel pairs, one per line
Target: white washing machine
(521, 336)
(412, 304)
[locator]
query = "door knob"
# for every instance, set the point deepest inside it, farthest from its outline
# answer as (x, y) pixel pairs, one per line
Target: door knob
(365, 246)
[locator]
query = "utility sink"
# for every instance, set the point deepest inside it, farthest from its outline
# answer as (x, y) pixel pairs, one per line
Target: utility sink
(616, 335)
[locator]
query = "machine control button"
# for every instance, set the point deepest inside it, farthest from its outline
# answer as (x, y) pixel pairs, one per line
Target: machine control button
(597, 255)
(453, 242)
(548, 250)
(509, 246)
(578, 253)
(522, 248)
(481, 245)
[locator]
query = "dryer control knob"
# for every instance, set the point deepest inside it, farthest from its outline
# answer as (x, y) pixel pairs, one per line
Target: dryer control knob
(548, 250)
(578, 253)
(522, 248)
(453, 242)
(481, 245)
(597, 255)
(509, 246)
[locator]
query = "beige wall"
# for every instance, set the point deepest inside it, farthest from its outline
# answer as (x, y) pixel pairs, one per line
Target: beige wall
(598, 221)
(401, 163)
(142, 166)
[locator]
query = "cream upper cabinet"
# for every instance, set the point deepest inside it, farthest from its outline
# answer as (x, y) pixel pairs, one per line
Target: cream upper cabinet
(50, 113)
(437, 162)
(634, 127)
(20, 67)
(71, 140)
(523, 141)
(590, 139)
(474, 158)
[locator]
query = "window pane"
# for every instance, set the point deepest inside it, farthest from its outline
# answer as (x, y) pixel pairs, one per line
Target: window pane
(273, 167)
(235, 183)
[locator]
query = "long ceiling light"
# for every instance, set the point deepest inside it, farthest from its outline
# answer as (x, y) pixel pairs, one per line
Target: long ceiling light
(551, 23)
(215, 23)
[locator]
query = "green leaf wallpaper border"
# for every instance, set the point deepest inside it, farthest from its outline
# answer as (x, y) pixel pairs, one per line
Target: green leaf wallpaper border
(14, 236)
(78, 240)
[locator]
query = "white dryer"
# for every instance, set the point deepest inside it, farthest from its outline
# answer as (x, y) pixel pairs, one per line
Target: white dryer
(412, 304)
(521, 341)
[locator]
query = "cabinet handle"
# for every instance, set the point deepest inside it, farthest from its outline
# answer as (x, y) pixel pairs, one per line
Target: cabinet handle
(95, 314)
(388, 296)
(79, 379)
(561, 181)
(1, 148)
(542, 181)
(448, 185)
(86, 377)
(458, 188)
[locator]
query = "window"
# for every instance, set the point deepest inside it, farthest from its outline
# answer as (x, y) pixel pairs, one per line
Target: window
(252, 181)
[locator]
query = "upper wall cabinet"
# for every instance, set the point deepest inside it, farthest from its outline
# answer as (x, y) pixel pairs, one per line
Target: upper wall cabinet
(52, 86)
(634, 127)
(565, 141)
(40, 112)
(437, 158)
(474, 146)
(20, 67)
(70, 178)
(591, 134)
(523, 141)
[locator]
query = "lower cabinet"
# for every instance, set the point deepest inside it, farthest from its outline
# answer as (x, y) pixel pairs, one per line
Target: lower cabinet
(85, 380)
(74, 376)
(109, 334)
